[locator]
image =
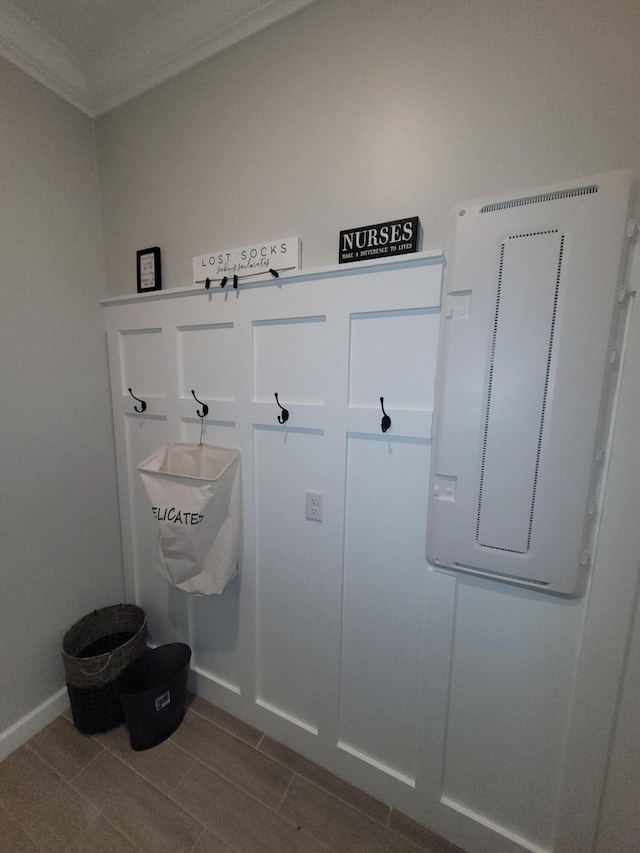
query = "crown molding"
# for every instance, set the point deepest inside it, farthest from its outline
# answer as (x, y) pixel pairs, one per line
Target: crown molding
(140, 59)
(116, 81)
(39, 54)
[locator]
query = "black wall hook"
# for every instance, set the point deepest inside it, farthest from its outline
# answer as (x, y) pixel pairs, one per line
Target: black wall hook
(143, 405)
(205, 408)
(285, 412)
(386, 420)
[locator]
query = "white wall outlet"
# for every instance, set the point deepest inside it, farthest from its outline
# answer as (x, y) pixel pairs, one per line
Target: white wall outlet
(313, 505)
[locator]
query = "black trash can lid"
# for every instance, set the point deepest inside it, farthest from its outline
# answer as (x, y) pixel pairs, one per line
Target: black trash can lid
(153, 668)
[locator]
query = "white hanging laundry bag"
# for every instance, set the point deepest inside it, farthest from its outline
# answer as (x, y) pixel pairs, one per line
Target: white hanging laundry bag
(196, 497)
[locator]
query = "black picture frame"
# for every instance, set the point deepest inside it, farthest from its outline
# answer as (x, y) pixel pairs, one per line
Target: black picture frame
(148, 270)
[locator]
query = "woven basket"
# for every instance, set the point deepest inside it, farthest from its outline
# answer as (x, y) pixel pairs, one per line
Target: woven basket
(95, 651)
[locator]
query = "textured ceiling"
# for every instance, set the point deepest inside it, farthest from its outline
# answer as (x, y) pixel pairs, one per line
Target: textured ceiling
(86, 27)
(99, 53)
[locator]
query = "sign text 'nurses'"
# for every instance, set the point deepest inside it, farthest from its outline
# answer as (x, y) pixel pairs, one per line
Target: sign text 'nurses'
(385, 239)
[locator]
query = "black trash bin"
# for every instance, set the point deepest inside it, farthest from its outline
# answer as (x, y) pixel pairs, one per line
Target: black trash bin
(152, 691)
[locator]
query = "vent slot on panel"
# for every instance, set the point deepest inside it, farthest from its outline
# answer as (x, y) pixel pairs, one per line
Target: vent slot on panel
(500, 575)
(524, 323)
(537, 199)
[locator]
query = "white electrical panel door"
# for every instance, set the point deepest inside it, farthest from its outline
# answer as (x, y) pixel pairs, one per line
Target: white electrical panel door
(526, 337)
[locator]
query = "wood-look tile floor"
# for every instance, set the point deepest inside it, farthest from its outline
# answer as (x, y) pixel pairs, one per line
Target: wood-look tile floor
(216, 786)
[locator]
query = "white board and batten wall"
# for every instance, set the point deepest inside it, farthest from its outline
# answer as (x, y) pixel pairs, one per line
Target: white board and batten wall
(449, 695)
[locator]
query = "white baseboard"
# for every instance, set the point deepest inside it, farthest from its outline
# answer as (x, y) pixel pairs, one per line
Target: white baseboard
(20, 732)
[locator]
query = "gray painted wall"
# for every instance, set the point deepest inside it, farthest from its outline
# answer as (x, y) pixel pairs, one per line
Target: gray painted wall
(357, 111)
(59, 527)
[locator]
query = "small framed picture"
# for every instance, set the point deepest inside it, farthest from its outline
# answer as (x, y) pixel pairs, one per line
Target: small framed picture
(149, 274)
